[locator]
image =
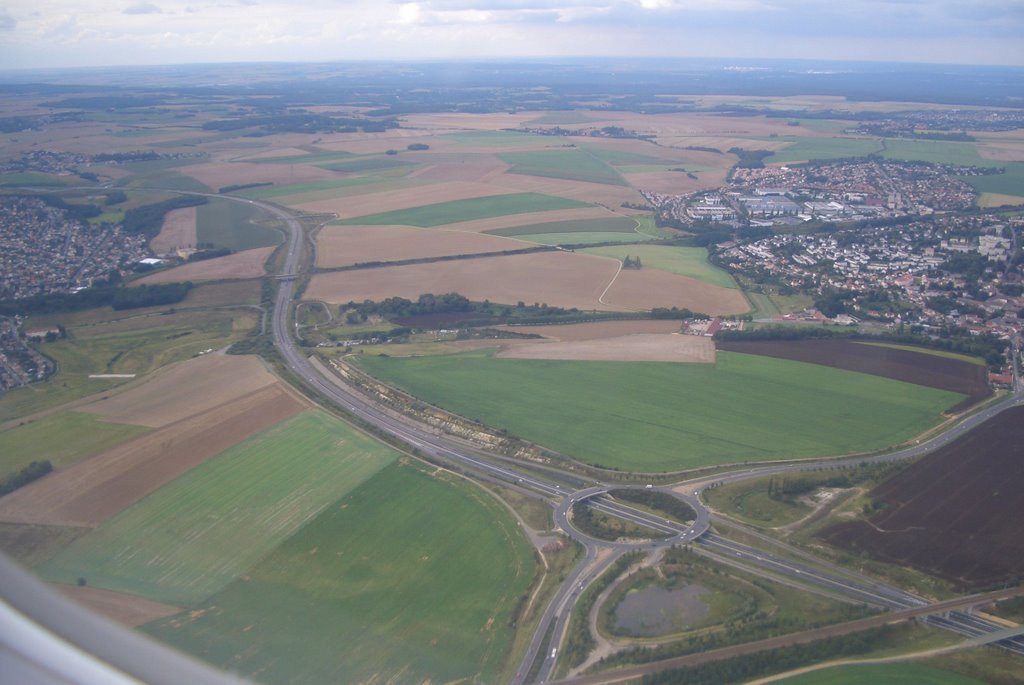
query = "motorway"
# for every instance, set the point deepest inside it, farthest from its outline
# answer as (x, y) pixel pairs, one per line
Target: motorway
(554, 621)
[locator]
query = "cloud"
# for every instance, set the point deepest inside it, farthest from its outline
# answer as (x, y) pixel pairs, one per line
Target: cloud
(141, 8)
(7, 22)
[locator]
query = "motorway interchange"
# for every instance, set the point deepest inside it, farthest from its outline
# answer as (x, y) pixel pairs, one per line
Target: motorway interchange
(564, 490)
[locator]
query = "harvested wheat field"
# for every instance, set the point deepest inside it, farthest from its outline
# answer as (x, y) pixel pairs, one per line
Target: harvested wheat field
(676, 182)
(91, 491)
(184, 389)
(239, 173)
(560, 279)
(595, 330)
(479, 168)
(126, 609)
(649, 288)
(247, 264)
(639, 347)
(346, 245)
(405, 198)
(178, 231)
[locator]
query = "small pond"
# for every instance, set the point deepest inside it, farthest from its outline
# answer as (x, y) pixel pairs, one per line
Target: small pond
(655, 610)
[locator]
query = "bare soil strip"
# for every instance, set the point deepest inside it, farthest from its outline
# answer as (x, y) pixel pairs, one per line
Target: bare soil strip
(640, 347)
(89, 492)
(126, 609)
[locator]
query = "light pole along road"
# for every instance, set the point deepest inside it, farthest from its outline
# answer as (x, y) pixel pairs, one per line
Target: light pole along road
(552, 626)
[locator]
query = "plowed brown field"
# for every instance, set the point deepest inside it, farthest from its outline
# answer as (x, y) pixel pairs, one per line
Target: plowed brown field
(956, 513)
(903, 365)
(91, 491)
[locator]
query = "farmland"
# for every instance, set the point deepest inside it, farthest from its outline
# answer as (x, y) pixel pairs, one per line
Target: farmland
(905, 364)
(408, 577)
(456, 211)
(233, 225)
(61, 439)
(570, 164)
(887, 674)
(128, 346)
(684, 261)
(207, 527)
(559, 279)
(346, 245)
(609, 225)
(952, 514)
(804, 149)
(89, 492)
(671, 417)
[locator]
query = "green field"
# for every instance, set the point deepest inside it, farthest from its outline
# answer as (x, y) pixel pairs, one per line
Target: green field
(1009, 183)
(364, 164)
(937, 152)
(609, 225)
(410, 578)
(61, 439)
(467, 210)
(225, 223)
(669, 417)
(297, 193)
(499, 139)
(928, 350)
(749, 501)
(117, 347)
(824, 148)
(194, 536)
(572, 164)
(584, 238)
(881, 674)
(685, 261)
(619, 157)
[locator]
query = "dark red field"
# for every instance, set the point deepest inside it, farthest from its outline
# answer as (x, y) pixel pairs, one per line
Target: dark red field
(955, 514)
(903, 365)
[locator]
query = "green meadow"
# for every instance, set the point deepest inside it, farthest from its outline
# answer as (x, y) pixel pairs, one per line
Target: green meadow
(192, 537)
(660, 417)
(62, 439)
(572, 164)
(824, 148)
(233, 224)
(685, 261)
(881, 674)
(442, 213)
(411, 577)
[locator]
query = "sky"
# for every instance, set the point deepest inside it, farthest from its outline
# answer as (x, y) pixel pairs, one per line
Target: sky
(60, 33)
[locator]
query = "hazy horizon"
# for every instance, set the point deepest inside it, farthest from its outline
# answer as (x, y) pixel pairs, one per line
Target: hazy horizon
(109, 33)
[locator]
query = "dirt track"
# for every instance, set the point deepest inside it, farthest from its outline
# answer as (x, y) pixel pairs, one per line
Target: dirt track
(639, 347)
